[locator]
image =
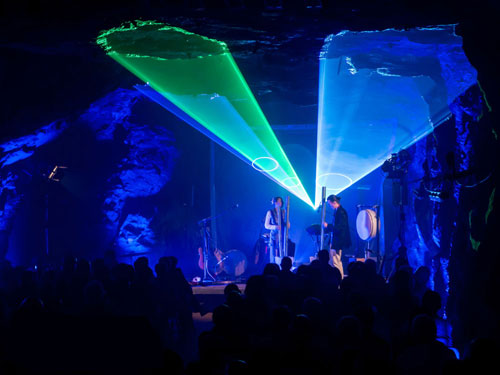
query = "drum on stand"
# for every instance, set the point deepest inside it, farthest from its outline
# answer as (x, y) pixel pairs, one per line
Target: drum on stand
(367, 224)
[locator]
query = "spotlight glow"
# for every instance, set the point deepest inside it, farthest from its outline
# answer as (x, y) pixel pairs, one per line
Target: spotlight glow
(380, 92)
(199, 76)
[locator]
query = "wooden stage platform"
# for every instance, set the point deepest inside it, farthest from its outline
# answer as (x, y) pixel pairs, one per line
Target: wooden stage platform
(209, 296)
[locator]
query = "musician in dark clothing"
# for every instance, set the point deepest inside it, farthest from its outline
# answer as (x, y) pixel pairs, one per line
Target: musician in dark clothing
(275, 223)
(340, 232)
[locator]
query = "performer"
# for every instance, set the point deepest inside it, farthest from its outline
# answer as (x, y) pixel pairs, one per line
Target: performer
(340, 230)
(274, 218)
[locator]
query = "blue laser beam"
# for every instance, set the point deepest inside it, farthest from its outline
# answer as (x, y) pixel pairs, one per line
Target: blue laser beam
(380, 92)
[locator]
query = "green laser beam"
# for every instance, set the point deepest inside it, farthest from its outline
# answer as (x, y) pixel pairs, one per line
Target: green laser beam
(200, 76)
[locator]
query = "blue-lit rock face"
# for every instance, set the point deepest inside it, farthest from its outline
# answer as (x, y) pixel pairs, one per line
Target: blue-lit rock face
(380, 92)
(9, 200)
(123, 160)
(23, 147)
(135, 234)
(11, 189)
(141, 173)
(107, 113)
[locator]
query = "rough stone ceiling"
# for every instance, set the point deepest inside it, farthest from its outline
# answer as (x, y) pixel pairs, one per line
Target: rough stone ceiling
(49, 62)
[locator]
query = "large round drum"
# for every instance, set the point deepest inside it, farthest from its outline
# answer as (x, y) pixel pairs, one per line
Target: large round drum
(366, 224)
(235, 263)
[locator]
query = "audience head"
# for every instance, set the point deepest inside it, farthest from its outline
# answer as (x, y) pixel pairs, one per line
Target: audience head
(110, 259)
(402, 258)
(234, 299)
(370, 267)
(323, 256)
(302, 328)
(123, 273)
(431, 303)
(271, 269)
(255, 287)
(141, 263)
(232, 287)
(286, 264)
(169, 261)
(69, 264)
(82, 267)
(313, 309)
(94, 295)
(173, 260)
(349, 330)
(142, 270)
(423, 329)
(281, 318)
(402, 281)
(222, 317)
(160, 269)
(99, 268)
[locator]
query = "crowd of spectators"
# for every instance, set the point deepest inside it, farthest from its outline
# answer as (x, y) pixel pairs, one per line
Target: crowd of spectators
(95, 317)
(109, 317)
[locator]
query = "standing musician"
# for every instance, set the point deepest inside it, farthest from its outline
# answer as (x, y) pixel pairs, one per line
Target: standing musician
(275, 222)
(340, 230)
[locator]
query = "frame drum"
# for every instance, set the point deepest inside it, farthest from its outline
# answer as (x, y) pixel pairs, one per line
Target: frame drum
(366, 224)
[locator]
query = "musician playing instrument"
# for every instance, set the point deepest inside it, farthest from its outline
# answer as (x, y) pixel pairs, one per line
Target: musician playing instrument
(275, 223)
(340, 231)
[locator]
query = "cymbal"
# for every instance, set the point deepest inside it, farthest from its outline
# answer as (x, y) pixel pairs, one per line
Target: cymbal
(314, 229)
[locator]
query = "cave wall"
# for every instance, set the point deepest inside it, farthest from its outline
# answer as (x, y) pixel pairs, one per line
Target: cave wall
(111, 159)
(451, 216)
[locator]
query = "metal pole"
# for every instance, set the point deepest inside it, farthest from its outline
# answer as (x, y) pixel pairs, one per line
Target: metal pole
(206, 247)
(47, 252)
(323, 213)
(213, 202)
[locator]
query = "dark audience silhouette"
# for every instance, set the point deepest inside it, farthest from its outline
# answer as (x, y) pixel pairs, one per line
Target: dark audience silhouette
(109, 317)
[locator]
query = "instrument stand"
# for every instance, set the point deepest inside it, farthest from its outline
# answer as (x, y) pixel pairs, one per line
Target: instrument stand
(317, 242)
(315, 232)
(367, 250)
(207, 276)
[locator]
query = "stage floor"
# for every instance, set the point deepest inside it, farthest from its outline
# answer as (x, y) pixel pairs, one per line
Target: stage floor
(209, 296)
(214, 289)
